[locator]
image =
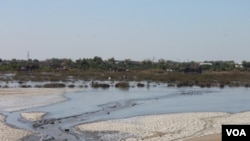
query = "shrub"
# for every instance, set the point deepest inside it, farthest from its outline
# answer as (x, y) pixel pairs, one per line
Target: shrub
(140, 85)
(54, 85)
(99, 85)
(222, 85)
(71, 86)
(25, 86)
(122, 85)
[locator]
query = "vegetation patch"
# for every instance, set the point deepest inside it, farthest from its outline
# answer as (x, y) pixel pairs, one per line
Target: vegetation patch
(122, 85)
(181, 73)
(54, 85)
(99, 85)
(71, 86)
(25, 86)
(140, 85)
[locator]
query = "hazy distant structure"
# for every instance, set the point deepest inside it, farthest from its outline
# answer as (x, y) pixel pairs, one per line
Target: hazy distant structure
(29, 65)
(28, 55)
(203, 64)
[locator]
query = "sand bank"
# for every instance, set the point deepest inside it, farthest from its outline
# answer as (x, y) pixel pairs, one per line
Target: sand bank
(182, 126)
(13, 99)
(11, 134)
(213, 137)
(34, 116)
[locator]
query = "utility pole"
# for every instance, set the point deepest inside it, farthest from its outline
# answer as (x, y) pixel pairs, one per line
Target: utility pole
(28, 55)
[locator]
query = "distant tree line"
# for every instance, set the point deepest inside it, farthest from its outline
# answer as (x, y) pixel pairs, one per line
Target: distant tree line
(97, 63)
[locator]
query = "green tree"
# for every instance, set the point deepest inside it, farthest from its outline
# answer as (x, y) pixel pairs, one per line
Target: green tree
(246, 64)
(162, 64)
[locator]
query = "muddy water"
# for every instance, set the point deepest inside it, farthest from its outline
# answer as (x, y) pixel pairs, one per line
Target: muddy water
(102, 104)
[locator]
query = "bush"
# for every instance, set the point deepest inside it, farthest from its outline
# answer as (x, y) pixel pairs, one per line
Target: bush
(54, 85)
(71, 86)
(122, 85)
(222, 85)
(140, 85)
(99, 85)
(25, 86)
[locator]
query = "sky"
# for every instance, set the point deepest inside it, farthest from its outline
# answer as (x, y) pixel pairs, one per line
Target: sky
(178, 30)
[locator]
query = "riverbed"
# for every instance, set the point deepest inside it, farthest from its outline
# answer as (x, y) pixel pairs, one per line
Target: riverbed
(91, 105)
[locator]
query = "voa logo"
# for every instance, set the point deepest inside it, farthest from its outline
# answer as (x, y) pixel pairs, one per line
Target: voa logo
(236, 132)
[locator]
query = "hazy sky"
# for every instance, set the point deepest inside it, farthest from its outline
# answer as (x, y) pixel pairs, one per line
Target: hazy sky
(179, 30)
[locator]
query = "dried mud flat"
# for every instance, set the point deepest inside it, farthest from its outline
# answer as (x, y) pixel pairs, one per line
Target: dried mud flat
(168, 127)
(14, 99)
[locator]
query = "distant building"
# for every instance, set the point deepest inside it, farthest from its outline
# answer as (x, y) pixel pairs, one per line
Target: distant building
(205, 64)
(238, 66)
(169, 70)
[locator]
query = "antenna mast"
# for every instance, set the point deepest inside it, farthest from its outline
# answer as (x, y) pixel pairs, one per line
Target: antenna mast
(28, 55)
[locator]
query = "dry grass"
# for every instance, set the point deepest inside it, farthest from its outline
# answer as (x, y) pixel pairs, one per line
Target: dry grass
(207, 79)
